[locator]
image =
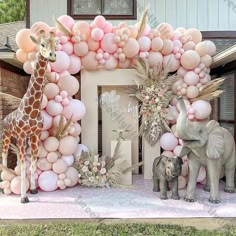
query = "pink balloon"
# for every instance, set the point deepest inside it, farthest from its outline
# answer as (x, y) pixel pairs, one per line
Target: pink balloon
(44, 134)
(53, 77)
(211, 47)
(62, 63)
(63, 73)
(47, 120)
(54, 108)
(181, 72)
(72, 175)
(77, 129)
(65, 101)
(89, 61)
(177, 44)
(189, 46)
(67, 48)
(97, 34)
(125, 64)
(191, 78)
(168, 141)
(68, 145)
(155, 58)
(111, 63)
(92, 44)
(171, 63)
(177, 150)
(190, 59)
(44, 102)
(51, 90)
(59, 166)
(28, 68)
(51, 144)
(206, 79)
(157, 44)
(195, 34)
(81, 49)
(168, 46)
(52, 157)
(58, 98)
(107, 27)
(173, 111)
(69, 159)
(201, 48)
(166, 30)
(16, 185)
(192, 91)
(76, 109)
(100, 21)
(144, 43)
(75, 64)
(202, 109)
(24, 41)
(56, 120)
(108, 44)
(64, 93)
(206, 60)
(63, 39)
(67, 21)
(83, 27)
(38, 26)
(202, 174)
(48, 181)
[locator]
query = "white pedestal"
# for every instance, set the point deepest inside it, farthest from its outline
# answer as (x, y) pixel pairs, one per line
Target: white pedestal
(125, 149)
(149, 154)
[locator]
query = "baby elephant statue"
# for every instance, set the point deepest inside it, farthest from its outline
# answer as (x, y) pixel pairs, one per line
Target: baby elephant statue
(166, 170)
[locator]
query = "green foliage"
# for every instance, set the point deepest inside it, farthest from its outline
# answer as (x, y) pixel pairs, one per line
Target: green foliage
(69, 229)
(12, 10)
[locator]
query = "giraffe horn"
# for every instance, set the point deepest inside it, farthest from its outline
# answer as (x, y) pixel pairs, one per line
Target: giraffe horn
(42, 33)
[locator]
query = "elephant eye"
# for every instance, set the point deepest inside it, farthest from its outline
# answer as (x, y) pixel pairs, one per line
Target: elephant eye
(201, 131)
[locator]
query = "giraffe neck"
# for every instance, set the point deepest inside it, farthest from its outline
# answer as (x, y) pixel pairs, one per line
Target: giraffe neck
(31, 103)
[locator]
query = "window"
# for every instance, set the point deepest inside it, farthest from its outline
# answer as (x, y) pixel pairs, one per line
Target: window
(227, 104)
(110, 9)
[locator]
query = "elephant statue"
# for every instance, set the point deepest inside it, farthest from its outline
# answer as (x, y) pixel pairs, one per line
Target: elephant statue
(166, 170)
(208, 144)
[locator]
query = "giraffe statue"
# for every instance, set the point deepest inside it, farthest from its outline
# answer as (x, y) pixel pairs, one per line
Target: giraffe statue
(25, 123)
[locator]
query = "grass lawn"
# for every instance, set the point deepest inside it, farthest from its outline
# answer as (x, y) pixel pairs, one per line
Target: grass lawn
(87, 229)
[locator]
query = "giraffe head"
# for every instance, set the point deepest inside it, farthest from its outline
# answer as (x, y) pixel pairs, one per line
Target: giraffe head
(46, 45)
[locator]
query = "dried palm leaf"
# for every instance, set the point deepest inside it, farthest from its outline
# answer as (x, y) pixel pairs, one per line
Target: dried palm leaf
(10, 99)
(132, 167)
(62, 28)
(210, 91)
(64, 129)
(143, 22)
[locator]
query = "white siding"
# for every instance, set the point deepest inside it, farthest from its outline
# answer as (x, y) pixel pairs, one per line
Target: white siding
(207, 15)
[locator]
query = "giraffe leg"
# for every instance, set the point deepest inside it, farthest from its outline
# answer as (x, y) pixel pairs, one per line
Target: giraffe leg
(6, 140)
(21, 145)
(34, 141)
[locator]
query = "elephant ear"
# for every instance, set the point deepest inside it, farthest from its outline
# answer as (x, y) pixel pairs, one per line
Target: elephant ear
(215, 145)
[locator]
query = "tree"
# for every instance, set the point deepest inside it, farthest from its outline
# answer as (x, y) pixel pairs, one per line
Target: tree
(12, 10)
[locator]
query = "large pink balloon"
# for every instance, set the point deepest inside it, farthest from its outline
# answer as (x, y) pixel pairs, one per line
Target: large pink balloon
(97, 34)
(108, 44)
(72, 174)
(167, 47)
(47, 120)
(93, 45)
(28, 68)
(171, 62)
(166, 30)
(70, 84)
(190, 59)
(131, 48)
(211, 47)
(155, 58)
(21, 55)
(201, 49)
(24, 41)
(75, 64)
(81, 49)
(191, 78)
(168, 141)
(62, 62)
(67, 21)
(67, 48)
(76, 109)
(89, 61)
(195, 34)
(51, 144)
(51, 90)
(48, 181)
(202, 109)
(144, 43)
(192, 91)
(67, 145)
(206, 60)
(54, 108)
(16, 185)
(100, 21)
(83, 27)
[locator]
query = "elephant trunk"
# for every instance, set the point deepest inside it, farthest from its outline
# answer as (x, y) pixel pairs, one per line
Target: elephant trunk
(181, 122)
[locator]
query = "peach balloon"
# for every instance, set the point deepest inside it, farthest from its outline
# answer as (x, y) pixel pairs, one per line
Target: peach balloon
(54, 108)
(157, 44)
(83, 27)
(206, 60)
(144, 43)
(202, 109)
(133, 31)
(206, 79)
(28, 68)
(62, 63)
(38, 26)
(107, 27)
(201, 49)
(195, 34)
(108, 44)
(67, 21)
(51, 90)
(44, 134)
(93, 45)
(155, 58)
(48, 181)
(75, 64)
(190, 59)
(76, 109)
(42, 152)
(47, 120)
(67, 48)
(43, 164)
(67, 145)
(181, 72)
(72, 174)
(59, 166)
(51, 144)
(24, 41)
(44, 102)
(81, 49)
(166, 30)
(70, 84)
(97, 34)
(16, 185)
(100, 21)
(192, 91)
(168, 46)
(52, 157)
(211, 47)
(21, 55)
(191, 78)
(171, 63)
(53, 77)
(190, 45)
(89, 61)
